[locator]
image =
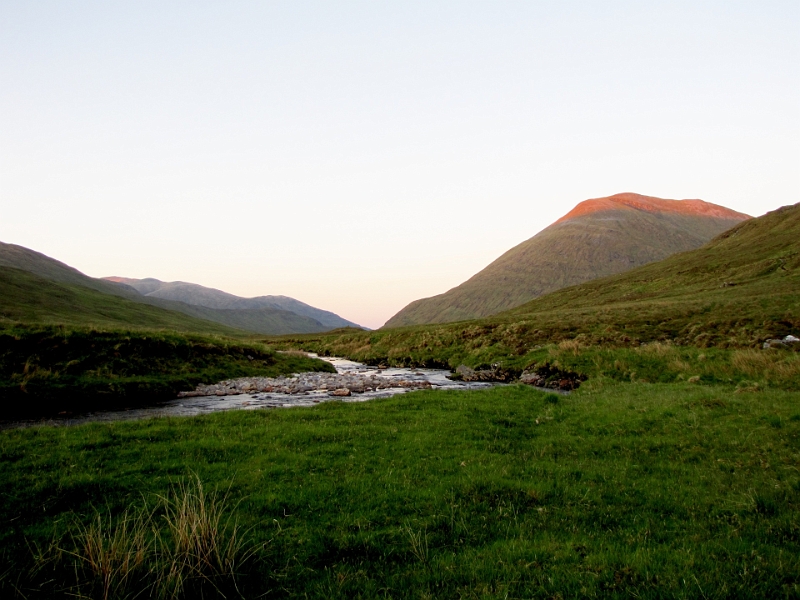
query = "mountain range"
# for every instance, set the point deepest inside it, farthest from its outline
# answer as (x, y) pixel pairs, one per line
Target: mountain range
(198, 295)
(599, 237)
(39, 288)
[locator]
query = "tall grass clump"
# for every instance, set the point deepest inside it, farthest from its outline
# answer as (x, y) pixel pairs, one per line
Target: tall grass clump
(185, 545)
(203, 548)
(111, 556)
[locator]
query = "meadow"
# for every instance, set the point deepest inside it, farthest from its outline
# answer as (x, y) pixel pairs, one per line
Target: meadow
(620, 489)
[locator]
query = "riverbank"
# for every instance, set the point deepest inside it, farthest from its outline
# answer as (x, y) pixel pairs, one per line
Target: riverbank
(49, 370)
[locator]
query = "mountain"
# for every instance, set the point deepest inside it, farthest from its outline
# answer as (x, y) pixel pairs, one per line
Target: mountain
(198, 295)
(599, 237)
(72, 288)
(737, 291)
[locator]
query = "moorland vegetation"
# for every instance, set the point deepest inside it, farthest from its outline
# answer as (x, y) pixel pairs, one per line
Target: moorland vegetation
(46, 370)
(66, 298)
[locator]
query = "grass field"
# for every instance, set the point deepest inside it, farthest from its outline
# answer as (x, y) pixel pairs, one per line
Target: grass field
(672, 472)
(619, 490)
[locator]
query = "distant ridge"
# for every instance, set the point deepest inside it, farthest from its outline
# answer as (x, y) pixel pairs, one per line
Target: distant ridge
(198, 295)
(597, 238)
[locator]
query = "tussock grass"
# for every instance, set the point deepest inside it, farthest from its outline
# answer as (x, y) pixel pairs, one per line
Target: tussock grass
(186, 544)
(203, 547)
(299, 353)
(110, 555)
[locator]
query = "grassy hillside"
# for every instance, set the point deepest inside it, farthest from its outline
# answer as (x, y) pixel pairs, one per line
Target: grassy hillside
(617, 491)
(600, 237)
(745, 280)
(30, 261)
(44, 370)
(266, 320)
(273, 320)
(735, 292)
(28, 298)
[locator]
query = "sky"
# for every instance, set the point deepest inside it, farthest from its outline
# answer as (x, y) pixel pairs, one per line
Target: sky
(358, 156)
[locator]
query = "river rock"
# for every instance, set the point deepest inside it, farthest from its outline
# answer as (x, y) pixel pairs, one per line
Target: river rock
(774, 344)
(341, 392)
(304, 383)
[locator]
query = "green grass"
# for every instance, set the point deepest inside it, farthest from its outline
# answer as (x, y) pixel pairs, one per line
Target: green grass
(618, 490)
(50, 369)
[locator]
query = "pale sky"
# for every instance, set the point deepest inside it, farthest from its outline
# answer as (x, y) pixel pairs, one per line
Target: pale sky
(361, 155)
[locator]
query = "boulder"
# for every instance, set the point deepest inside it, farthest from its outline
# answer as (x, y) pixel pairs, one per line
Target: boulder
(549, 376)
(492, 373)
(465, 372)
(773, 344)
(532, 379)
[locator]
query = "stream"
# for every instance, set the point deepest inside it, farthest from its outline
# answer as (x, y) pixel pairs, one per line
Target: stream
(407, 379)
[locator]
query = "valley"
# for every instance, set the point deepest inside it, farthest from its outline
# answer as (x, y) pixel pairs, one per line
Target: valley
(399, 301)
(668, 470)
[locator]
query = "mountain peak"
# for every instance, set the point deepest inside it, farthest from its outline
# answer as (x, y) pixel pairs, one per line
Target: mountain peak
(597, 238)
(631, 201)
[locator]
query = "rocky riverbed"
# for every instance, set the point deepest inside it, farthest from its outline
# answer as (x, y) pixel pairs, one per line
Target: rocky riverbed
(333, 384)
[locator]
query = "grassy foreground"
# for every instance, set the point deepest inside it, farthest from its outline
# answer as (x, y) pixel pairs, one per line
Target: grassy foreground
(647, 490)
